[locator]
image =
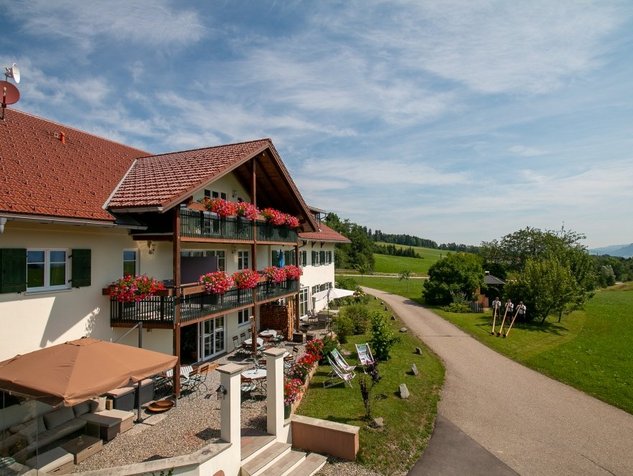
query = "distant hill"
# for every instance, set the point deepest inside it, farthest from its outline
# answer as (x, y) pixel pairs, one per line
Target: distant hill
(624, 251)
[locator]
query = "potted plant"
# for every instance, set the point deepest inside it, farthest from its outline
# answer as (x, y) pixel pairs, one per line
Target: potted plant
(135, 288)
(222, 207)
(217, 282)
(246, 279)
(293, 272)
(246, 210)
(274, 217)
(274, 274)
(292, 392)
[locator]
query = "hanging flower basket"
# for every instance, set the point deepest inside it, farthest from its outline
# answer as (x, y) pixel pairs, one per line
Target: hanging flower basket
(246, 279)
(293, 273)
(217, 282)
(135, 288)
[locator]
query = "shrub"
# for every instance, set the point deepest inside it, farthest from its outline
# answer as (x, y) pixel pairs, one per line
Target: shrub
(329, 344)
(359, 314)
(343, 326)
(382, 336)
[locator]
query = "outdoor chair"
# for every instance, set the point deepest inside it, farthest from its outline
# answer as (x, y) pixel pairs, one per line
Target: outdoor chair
(338, 376)
(235, 342)
(196, 380)
(365, 356)
(246, 387)
(324, 321)
(340, 361)
(242, 337)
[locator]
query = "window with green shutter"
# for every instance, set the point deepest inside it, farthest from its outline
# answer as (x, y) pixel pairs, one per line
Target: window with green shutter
(12, 270)
(81, 268)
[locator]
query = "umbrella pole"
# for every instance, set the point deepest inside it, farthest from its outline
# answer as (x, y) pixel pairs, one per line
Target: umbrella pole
(138, 407)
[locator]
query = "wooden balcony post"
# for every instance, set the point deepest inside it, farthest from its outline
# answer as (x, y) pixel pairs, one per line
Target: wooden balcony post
(177, 299)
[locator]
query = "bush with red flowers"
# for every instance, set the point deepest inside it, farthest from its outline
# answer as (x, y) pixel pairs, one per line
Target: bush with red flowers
(217, 282)
(135, 288)
(292, 390)
(246, 279)
(292, 272)
(275, 274)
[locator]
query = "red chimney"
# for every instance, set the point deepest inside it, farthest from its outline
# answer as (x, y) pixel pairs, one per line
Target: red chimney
(62, 137)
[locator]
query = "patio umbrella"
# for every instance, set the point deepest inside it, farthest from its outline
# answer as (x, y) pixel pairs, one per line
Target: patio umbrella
(331, 294)
(77, 370)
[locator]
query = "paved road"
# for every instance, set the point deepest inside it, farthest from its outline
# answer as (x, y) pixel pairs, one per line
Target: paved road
(531, 423)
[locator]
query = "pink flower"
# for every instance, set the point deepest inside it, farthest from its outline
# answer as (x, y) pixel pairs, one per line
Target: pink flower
(217, 282)
(247, 210)
(246, 279)
(292, 272)
(275, 274)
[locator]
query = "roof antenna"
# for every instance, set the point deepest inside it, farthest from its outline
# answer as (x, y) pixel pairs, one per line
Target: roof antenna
(10, 94)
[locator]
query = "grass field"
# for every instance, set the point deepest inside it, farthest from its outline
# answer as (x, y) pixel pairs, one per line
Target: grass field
(411, 288)
(408, 423)
(395, 264)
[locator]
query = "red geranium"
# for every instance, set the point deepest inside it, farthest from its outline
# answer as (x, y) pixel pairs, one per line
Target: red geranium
(293, 272)
(275, 274)
(292, 390)
(246, 210)
(246, 279)
(135, 288)
(292, 221)
(274, 216)
(222, 207)
(217, 282)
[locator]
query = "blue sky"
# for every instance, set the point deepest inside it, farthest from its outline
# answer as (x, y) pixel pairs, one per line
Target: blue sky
(458, 121)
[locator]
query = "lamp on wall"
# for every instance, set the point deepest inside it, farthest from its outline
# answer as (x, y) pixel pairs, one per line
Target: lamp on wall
(220, 392)
(151, 247)
(234, 194)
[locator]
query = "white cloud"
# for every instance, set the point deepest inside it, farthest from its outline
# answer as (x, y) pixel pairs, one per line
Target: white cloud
(525, 151)
(143, 22)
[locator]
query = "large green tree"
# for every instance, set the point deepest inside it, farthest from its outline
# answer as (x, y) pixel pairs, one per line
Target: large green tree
(458, 274)
(551, 272)
(359, 253)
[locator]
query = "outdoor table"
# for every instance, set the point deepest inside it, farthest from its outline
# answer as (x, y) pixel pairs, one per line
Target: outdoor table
(248, 342)
(257, 375)
(268, 333)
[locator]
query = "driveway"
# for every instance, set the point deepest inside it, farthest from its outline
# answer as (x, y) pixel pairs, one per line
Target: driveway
(529, 422)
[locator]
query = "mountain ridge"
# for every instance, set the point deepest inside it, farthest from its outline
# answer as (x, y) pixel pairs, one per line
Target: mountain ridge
(623, 251)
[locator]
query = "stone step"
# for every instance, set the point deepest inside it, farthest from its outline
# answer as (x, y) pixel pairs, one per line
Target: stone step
(309, 466)
(251, 444)
(283, 465)
(261, 460)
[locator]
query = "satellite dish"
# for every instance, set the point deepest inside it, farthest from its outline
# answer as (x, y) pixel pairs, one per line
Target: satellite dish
(13, 72)
(10, 94)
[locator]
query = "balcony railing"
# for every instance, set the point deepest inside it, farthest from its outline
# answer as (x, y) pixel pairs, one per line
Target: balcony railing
(202, 224)
(160, 310)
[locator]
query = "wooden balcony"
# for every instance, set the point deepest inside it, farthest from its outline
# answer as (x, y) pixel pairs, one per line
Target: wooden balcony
(159, 311)
(203, 225)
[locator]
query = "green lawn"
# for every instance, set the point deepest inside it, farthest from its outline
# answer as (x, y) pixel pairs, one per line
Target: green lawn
(395, 264)
(411, 288)
(590, 349)
(408, 423)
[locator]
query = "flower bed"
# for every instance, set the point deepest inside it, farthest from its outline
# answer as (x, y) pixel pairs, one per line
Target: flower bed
(298, 377)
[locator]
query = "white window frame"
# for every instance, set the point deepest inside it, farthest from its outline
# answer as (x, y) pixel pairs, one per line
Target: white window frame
(243, 260)
(243, 317)
(130, 250)
(303, 301)
(47, 270)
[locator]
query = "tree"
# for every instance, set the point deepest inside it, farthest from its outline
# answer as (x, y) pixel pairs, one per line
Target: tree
(457, 273)
(552, 267)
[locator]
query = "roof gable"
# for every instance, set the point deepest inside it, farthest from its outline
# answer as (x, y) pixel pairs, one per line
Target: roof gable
(49, 169)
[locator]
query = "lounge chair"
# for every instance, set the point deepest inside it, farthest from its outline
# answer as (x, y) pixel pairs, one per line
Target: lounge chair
(338, 376)
(365, 356)
(340, 361)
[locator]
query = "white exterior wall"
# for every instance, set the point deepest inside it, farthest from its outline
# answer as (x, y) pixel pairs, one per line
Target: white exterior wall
(317, 275)
(32, 320)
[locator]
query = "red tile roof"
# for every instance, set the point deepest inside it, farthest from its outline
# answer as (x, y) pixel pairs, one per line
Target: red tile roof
(54, 170)
(325, 233)
(163, 180)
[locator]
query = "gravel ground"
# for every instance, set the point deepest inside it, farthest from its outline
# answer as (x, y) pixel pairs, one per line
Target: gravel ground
(192, 424)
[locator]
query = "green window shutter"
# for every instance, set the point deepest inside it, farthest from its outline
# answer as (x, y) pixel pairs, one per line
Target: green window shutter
(12, 270)
(81, 268)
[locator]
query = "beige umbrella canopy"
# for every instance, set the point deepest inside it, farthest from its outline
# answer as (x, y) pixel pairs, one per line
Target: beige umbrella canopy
(77, 370)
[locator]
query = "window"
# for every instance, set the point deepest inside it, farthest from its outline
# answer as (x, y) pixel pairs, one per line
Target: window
(303, 258)
(315, 258)
(322, 257)
(243, 317)
(46, 269)
(242, 260)
(303, 301)
(329, 257)
(129, 262)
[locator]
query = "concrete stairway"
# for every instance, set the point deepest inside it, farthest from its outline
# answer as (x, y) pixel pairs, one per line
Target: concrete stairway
(263, 456)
